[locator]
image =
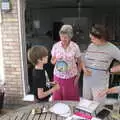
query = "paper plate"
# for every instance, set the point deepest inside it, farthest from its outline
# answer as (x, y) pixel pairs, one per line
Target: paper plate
(61, 109)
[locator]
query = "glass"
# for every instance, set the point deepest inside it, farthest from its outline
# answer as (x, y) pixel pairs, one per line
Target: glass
(116, 110)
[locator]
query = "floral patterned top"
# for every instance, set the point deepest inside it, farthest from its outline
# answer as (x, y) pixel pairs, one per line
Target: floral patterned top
(66, 66)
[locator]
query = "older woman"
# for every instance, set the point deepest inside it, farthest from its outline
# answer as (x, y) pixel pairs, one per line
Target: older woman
(98, 58)
(66, 56)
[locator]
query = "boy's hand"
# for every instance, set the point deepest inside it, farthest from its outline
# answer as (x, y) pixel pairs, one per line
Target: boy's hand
(50, 84)
(53, 83)
(56, 86)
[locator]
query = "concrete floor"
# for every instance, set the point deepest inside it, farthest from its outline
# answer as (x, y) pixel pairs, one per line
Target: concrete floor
(5, 110)
(10, 108)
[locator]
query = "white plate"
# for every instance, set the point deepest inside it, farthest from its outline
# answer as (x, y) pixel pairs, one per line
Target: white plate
(61, 109)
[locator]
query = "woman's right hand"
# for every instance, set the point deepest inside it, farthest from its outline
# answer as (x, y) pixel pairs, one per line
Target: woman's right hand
(55, 59)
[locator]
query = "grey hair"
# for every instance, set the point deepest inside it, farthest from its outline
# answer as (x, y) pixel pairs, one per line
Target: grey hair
(66, 29)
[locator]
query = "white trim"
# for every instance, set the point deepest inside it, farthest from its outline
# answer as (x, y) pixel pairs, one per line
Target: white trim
(22, 39)
(2, 77)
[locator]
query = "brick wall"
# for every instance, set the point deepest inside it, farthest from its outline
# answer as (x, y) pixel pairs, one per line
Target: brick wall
(12, 55)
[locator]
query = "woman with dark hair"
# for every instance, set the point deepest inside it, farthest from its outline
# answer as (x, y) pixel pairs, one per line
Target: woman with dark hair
(98, 58)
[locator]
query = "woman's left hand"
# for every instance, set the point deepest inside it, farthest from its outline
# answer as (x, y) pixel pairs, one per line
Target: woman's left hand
(76, 79)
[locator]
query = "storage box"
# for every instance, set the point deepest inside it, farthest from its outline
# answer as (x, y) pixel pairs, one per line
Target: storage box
(87, 107)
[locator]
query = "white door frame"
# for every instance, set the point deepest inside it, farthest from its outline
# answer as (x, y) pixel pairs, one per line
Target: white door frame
(2, 78)
(22, 34)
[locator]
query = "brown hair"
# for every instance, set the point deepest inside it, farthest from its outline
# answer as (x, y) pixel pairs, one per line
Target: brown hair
(37, 52)
(99, 31)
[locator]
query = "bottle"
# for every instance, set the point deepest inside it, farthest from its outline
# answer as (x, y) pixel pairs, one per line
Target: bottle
(116, 109)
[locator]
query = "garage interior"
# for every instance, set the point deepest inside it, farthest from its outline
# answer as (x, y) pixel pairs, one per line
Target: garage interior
(44, 18)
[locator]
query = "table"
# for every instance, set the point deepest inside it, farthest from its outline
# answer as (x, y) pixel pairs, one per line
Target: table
(25, 113)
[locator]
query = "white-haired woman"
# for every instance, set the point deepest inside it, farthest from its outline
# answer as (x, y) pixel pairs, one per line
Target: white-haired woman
(66, 58)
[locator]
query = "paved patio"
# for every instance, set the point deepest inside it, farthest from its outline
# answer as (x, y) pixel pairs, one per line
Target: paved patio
(10, 108)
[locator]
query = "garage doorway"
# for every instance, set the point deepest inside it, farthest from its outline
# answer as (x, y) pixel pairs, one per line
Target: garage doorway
(43, 19)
